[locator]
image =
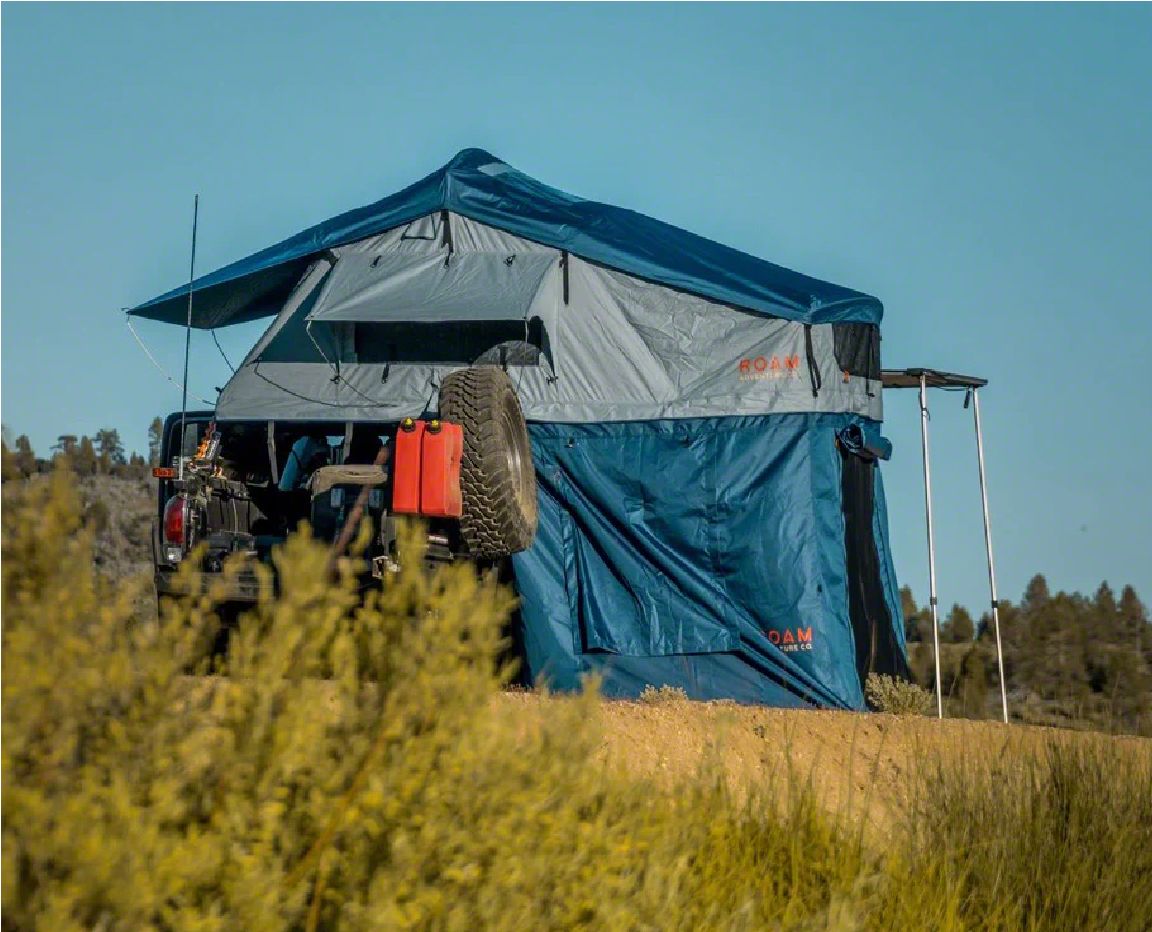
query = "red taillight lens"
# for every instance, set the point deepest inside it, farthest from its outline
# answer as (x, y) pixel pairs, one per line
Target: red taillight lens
(176, 521)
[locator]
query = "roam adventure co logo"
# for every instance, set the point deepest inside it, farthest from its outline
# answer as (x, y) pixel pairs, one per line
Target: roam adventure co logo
(790, 640)
(758, 368)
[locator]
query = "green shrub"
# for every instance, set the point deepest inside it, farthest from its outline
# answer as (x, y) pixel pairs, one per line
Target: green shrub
(97, 515)
(390, 792)
(657, 695)
(354, 767)
(896, 696)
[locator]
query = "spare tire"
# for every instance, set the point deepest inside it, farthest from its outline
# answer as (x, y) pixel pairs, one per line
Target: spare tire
(497, 479)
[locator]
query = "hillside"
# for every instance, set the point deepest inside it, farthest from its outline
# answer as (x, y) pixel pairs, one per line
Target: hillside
(124, 510)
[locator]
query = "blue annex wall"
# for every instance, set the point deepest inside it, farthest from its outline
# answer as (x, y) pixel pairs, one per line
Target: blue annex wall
(702, 553)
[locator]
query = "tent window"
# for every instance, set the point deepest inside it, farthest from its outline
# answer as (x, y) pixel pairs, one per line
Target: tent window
(473, 342)
(857, 349)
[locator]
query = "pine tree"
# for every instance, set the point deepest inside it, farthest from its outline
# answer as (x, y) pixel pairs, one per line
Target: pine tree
(911, 614)
(111, 450)
(959, 629)
(85, 461)
(1105, 600)
(25, 458)
(8, 468)
(1133, 614)
(1135, 625)
(1036, 595)
(65, 447)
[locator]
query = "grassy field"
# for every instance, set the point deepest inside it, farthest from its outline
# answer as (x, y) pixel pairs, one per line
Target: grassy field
(361, 766)
(862, 766)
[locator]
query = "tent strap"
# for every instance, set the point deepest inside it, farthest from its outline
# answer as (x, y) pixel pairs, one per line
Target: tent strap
(446, 232)
(813, 367)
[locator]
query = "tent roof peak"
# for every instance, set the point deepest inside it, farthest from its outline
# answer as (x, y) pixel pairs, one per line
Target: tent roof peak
(476, 184)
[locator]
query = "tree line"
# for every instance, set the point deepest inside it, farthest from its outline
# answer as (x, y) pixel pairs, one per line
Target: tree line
(101, 454)
(1069, 659)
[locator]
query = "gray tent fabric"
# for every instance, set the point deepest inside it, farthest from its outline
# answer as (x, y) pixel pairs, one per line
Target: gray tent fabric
(391, 286)
(352, 343)
(295, 310)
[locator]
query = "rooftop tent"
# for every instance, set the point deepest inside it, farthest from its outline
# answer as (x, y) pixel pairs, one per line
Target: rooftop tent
(705, 425)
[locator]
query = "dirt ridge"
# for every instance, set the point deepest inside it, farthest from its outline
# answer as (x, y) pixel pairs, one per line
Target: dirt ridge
(858, 763)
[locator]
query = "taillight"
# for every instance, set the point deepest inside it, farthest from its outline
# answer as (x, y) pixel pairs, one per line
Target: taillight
(176, 521)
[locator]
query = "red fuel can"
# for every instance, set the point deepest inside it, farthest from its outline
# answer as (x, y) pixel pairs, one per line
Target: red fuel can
(443, 448)
(406, 467)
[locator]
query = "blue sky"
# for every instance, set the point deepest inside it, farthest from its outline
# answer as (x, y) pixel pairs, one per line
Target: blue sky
(985, 170)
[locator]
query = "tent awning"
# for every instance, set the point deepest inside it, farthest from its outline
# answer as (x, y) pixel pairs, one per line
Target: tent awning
(470, 286)
(934, 378)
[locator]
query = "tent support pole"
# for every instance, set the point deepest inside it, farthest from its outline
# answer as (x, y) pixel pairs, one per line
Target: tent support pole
(931, 540)
(988, 548)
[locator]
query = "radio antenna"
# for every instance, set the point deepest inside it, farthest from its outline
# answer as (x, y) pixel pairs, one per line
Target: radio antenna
(188, 339)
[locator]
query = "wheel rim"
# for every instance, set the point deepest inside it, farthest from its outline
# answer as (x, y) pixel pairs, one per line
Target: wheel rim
(516, 456)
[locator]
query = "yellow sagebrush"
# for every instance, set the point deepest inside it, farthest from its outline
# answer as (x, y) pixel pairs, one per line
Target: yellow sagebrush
(351, 765)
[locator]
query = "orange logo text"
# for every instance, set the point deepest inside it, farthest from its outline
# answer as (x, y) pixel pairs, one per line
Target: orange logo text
(758, 368)
(792, 640)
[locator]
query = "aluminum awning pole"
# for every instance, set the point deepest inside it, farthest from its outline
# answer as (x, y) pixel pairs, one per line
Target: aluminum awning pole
(931, 539)
(988, 548)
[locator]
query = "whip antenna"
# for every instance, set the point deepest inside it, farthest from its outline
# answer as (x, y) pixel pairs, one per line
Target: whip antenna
(188, 338)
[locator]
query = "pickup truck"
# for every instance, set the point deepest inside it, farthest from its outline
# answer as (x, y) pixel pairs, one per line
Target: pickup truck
(234, 490)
